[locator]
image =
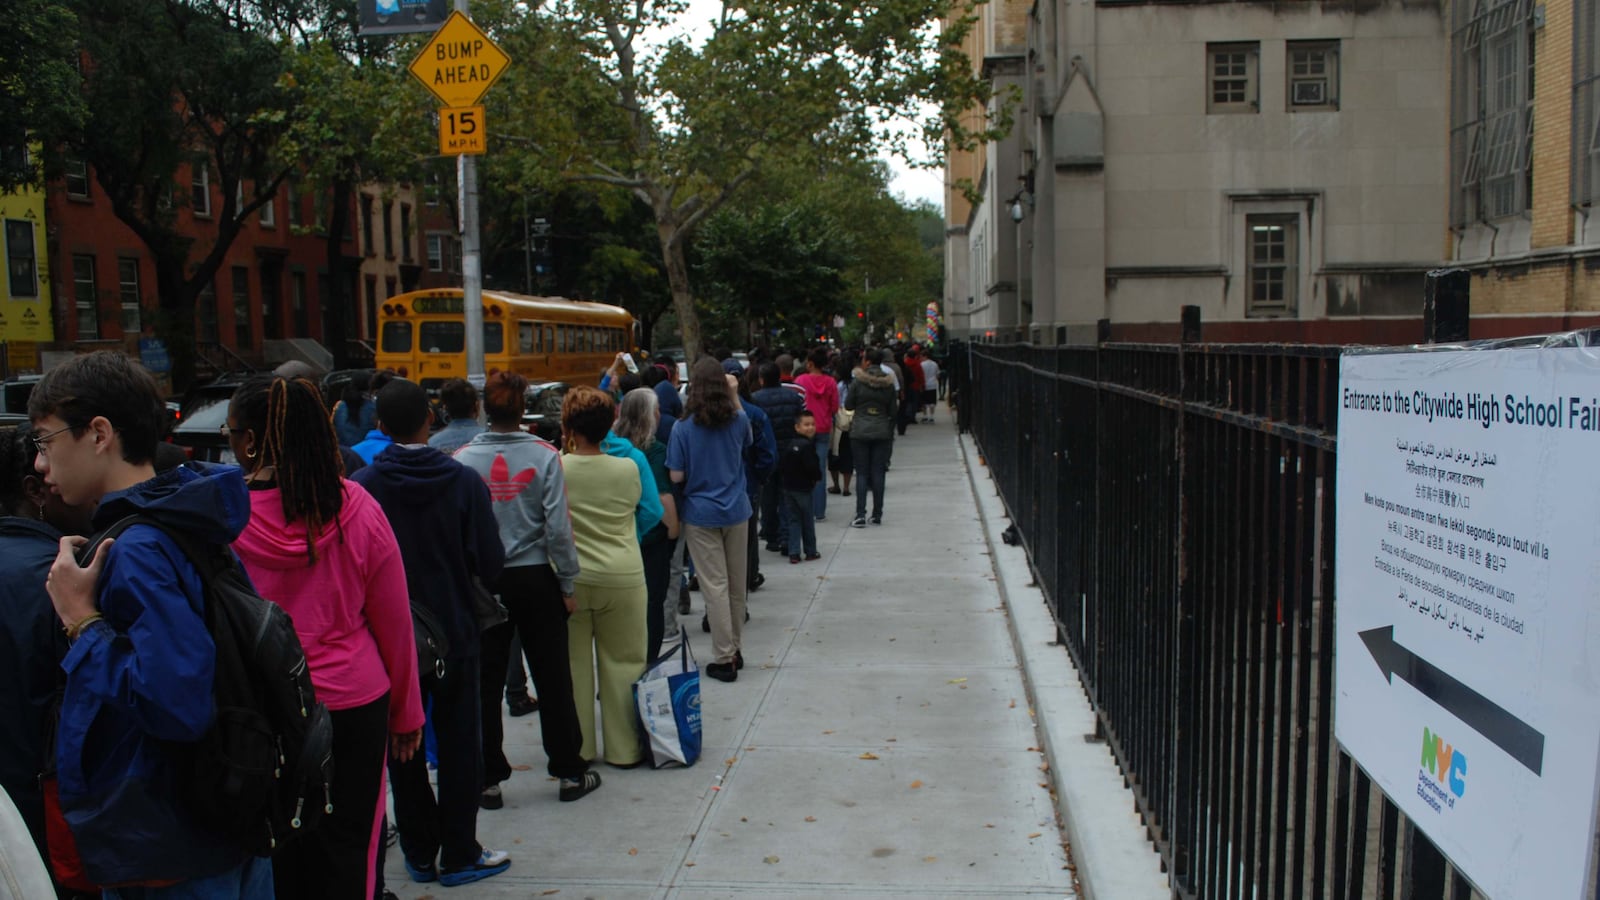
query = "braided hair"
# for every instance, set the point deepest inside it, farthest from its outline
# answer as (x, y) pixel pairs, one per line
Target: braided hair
(296, 437)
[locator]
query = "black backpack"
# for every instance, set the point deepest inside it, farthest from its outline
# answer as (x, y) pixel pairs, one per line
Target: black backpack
(263, 772)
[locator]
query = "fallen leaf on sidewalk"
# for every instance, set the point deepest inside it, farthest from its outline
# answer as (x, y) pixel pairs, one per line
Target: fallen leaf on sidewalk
(811, 818)
(930, 859)
(549, 892)
(521, 768)
(1034, 835)
(988, 824)
(688, 865)
(731, 760)
(633, 851)
(744, 819)
(1033, 749)
(916, 784)
(829, 731)
(956, 681)
(1013, 704)
(770, 860)
(868, 755)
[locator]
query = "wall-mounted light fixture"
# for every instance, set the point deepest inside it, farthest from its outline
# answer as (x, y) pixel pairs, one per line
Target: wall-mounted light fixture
(1024, 195)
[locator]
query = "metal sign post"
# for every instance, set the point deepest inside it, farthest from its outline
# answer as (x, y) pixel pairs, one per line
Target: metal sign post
(457, 66)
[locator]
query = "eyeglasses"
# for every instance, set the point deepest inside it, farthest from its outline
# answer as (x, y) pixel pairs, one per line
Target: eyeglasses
(227, 430)
(41, 441)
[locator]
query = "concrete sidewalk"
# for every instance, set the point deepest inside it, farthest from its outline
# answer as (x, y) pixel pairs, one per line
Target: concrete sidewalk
(879, 743)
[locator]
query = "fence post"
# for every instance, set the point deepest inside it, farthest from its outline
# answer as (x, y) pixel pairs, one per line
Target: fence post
(1446, 306)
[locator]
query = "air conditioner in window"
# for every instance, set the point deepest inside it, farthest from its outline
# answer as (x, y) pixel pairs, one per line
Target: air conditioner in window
(1312, 92)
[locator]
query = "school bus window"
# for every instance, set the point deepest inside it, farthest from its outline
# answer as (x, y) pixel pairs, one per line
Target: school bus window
(494, 337)
(397, 337)
(525, 337)
(444, 337)
(549, 345)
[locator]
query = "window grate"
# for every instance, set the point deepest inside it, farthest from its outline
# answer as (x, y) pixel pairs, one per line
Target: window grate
(1491, 110)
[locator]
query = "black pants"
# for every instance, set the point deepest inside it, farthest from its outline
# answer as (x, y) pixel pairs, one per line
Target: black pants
(335, 860)
(516, 675)
(532, 597)
(772, 520)
(752, 544)
(494, 655)
(872, 462)
(446, 826)
(657, 571)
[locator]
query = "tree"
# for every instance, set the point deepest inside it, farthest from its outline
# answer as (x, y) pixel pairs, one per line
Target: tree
(168, 87)
(39, 85)
(685, 126)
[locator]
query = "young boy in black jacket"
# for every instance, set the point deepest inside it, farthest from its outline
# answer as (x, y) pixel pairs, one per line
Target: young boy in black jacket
(799, 472)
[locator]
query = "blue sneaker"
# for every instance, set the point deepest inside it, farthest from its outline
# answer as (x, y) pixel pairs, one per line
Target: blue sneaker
(422, 874)
(490, 863)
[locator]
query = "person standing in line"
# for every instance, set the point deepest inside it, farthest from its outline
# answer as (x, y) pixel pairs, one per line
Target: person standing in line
(706, 456)
(822, 398)
(527, 487)
(352, 415)
(798, 475)
(872, 398)
(444, 523)
(460, 401)
(140, 671)
(320, 547)
(930, 387)
(30, 537)
(636, 422)
(841, 462)
(608, 628)
(782, 407)
(761, 461)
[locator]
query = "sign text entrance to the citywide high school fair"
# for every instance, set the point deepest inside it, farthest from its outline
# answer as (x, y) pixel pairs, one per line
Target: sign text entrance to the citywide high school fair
(1467, 649)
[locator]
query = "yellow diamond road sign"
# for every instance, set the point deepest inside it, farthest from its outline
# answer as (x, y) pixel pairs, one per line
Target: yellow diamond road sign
(459, 63)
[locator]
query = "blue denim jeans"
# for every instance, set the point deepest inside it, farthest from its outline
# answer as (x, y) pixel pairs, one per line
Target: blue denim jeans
(252, 880)
(798, 524)
(872, 462)
(819, 494)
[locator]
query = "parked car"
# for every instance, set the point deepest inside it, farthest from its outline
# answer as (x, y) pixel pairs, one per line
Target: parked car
(203, 419)
(13, 420)
(334, 383)
(14, 396)
(542, 410)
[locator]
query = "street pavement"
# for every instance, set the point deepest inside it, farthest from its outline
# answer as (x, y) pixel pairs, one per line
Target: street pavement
(879, 743)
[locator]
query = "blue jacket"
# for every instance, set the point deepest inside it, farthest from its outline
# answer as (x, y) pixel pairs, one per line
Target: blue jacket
(375, 442)
(31, 648)
(671, 406)
(649, 511)
(762, 457)
(782, 406)
(444, 523)
(139, 682)
(352, 433)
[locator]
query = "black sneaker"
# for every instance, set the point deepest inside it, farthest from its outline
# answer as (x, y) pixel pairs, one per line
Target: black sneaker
(738, 659)
(723, 671)
(774, 547)
(858, 522)
(683, 601)
(521, 706)
(694, 582)
(757, 582)
(876, 520)
(491, 798)
(575, 788)
(705, 624)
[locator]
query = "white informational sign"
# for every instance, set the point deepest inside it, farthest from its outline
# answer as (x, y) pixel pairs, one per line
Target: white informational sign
(1467, 648)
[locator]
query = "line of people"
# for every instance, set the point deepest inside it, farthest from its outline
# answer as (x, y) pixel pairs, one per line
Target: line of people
(512, 549)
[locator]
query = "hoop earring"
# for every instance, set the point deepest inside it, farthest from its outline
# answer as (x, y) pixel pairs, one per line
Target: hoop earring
(250, 454)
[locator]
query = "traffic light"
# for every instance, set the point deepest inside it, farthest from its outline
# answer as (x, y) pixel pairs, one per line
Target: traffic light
(860, 314)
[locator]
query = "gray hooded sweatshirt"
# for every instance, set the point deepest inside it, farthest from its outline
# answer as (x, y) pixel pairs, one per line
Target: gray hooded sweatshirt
(529, 492)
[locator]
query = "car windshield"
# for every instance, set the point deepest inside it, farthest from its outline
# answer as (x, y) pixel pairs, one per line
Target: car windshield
(206, 414)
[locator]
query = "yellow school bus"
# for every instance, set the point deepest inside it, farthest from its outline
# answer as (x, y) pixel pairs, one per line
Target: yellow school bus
(422, 336)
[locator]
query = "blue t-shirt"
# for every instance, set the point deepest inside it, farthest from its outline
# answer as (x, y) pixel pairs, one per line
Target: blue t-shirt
(712, 463)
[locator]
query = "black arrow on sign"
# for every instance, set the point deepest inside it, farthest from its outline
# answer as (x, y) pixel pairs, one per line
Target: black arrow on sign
(1516, 737)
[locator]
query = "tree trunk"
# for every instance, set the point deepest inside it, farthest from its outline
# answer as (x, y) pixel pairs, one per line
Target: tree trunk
(672, 253)
(175, 317)
(335, 304)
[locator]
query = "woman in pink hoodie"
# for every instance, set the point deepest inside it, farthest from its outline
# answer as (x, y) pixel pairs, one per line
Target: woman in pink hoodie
(321, 548)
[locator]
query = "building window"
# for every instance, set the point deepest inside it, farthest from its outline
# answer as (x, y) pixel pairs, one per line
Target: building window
(128, 294)
(1313, 68)
(269, 215)
(241, 308)
(200, 190)
(22, 264)
(291, 198)
(1491, 110)
(83, 295)
(435, 253)
(205, 308)
(1231, 78)
(1273, 247)
(388, 229)
(1586, 105)
(297, 287)
(366, 226)
(271, 277)
(405, 232)
(77, 178)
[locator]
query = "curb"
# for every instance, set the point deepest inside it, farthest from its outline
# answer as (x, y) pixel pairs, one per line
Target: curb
(1106, 839)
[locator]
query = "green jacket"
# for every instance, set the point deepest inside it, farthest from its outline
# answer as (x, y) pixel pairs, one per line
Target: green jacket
(872, 398)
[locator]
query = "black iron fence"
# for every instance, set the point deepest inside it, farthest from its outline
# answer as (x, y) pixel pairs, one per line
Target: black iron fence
(1177, 506)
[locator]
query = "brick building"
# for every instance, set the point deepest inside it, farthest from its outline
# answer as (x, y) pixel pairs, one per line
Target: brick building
(271, 285)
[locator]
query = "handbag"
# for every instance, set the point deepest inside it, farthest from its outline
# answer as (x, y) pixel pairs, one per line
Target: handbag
(843, 418)
(432, 645)
(667, 698)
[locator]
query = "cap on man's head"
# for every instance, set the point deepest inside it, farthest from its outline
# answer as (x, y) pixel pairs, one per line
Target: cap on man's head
(732, 367)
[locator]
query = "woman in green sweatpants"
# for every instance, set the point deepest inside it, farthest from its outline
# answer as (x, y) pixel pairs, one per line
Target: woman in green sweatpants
(607, 632)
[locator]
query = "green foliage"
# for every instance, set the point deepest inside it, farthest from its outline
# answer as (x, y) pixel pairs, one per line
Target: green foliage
(38, 84)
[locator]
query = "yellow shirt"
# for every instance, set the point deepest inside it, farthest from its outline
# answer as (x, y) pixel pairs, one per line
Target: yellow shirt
(602, 492)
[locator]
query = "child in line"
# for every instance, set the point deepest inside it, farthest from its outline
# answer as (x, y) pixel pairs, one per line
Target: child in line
(800, 471)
